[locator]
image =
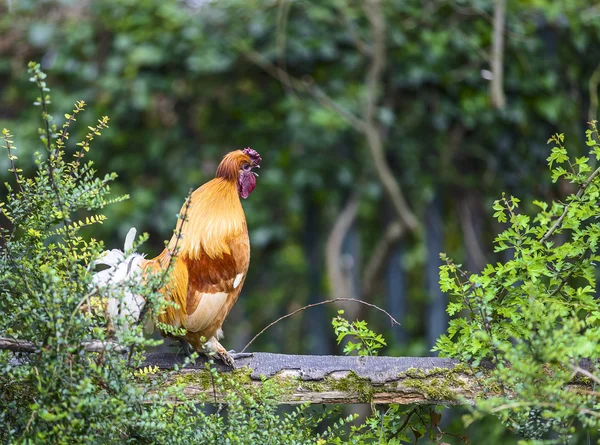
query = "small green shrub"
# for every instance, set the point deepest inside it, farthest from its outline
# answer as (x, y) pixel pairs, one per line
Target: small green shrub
(368, 341)
(536, 316)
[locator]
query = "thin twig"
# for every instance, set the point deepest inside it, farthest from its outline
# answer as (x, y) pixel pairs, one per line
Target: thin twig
(392, 319)
(497, 59)
(559, 221)
(51, 158)
(320, 96)
(282, 21)
(173, 253)
(11, 158)
(45, 116)
(340, 284)
(372, 9)
(307, 85)
(359, 43)
(541, 405)
(579, 370)
(212, 379)
(179, 234)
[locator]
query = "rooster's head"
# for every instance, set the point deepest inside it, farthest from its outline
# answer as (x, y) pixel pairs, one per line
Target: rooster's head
(237, 166)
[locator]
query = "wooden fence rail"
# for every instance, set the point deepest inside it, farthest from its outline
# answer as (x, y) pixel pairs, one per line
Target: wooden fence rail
(321, 379)
(336, 379)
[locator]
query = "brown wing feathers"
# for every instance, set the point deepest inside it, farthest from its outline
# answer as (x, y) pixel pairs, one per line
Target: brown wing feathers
(208, 275)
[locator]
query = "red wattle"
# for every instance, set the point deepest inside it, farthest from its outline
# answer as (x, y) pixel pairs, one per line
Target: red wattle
(246, 184)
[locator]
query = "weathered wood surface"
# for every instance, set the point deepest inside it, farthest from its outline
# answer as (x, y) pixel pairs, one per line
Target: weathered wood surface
(321, 379)
(337, 379)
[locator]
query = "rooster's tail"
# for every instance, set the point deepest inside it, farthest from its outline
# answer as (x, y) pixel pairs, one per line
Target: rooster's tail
(123, 271)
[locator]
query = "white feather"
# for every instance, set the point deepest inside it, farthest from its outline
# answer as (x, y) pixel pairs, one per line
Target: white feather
(238, 280)
(124, 307)
(129, 239)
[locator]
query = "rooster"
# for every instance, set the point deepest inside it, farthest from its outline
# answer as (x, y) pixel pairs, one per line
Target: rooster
(209, 259)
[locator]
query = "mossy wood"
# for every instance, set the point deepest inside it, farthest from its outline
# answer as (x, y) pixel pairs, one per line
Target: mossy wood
(336, 379)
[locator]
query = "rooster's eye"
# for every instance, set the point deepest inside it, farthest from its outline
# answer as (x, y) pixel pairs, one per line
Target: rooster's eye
(246, 167)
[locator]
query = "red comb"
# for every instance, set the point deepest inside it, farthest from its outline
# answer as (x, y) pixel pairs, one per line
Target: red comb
(254, 156)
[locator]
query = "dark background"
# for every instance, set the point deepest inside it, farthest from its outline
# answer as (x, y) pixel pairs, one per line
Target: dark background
(184, 82)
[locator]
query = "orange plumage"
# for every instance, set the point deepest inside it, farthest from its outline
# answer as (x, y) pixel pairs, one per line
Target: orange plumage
(213, 254)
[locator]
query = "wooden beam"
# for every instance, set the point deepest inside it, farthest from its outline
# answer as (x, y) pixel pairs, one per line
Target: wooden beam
(335, 379)
(320, 379)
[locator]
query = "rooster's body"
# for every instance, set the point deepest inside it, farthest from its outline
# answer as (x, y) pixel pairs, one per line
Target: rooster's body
(211, 252)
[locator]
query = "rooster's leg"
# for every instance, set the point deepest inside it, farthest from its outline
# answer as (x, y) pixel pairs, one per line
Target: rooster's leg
(213, 347)
(186, 347)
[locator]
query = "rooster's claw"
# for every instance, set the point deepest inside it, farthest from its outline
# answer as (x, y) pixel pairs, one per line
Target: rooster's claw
(226, 358)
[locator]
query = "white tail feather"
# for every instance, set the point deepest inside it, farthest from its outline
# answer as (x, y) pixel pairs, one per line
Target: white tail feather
(124, 307)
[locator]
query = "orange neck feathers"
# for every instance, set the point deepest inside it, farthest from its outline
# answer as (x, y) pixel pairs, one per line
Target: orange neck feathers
(214, 216)
(229, 168)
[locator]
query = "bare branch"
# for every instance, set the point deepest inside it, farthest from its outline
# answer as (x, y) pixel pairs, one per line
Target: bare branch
(320, 96)
(306, 85)
(374, 14)
(367, 124)
(339, 282)
(497, 62)
(372, 132)
(392, 319)
(282, 20)
(359, 43)
(390, 185)
(559, 221)
(593, 87)
(380, 254)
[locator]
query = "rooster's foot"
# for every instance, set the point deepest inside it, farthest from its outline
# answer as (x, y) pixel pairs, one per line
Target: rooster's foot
(214, 348)
(186, 348)
(227, 359)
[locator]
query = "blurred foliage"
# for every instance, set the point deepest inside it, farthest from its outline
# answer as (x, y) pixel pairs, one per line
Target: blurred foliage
(178, 81)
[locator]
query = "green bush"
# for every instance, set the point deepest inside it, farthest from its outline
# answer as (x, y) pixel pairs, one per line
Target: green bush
(535, 317)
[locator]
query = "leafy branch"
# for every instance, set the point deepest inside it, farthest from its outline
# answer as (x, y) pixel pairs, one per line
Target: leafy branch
(11, 157)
